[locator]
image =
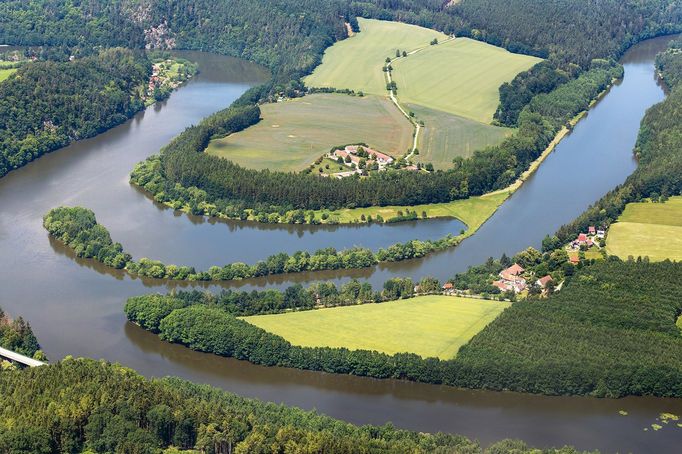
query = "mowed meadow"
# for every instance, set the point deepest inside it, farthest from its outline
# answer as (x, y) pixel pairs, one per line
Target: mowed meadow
(647, 229)
(294, 133)
(429, 326)
(356, 63)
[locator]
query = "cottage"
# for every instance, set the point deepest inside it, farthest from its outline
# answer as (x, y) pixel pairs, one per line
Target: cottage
(543, 281)
(591, 230)
(582, 238)
(601, 233)
(574, 259)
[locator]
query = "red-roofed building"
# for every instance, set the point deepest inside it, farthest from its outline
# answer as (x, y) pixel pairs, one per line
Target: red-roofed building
(574, 259)
(543, 281)
(511, 279)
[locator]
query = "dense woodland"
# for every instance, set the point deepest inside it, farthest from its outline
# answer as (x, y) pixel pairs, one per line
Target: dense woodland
(659, 168)
(77, 228)
(610, 332)
(184, 176)
(16, 335)
(90, 406)
(46, 105)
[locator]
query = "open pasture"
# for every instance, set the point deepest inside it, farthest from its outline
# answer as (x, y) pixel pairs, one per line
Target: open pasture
(356, 63)
(294, 133)
(648, 229)
(461, 77)
(430, 326)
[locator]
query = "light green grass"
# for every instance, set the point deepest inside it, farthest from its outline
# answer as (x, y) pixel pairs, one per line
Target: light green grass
(473, 211)
(461, 77)
(5, 73)
(334, 167)
(294, 133)
(446, 136)
(430, 326)
(648, 229)
(356, 63)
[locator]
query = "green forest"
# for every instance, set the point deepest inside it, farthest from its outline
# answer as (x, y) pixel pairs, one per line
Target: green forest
(47, 104)
(610, 332)
(81, 405)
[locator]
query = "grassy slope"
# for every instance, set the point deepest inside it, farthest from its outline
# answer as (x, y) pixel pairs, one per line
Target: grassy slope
(473, 211)
(446, 136)
(648, 229)
(294, 133)
(430, 326)
(461, 77)
(357, 62)
(5, 73)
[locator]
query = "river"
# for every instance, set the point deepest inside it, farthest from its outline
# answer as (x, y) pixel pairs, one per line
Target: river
(75, 306)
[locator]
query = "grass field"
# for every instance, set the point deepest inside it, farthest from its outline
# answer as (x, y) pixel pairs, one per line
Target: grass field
(446, 136)
(430, 326)
(292, 134)
(473, 211)
(648, 229)
(5, 73)
(357, 62)
(461, 77)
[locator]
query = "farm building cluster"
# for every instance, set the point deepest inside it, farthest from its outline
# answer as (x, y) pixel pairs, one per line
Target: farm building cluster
(585, 242)
(360, 159)
(513, 279)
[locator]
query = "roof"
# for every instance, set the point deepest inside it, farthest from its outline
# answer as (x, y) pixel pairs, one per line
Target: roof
(514, 270)
(501, 285)
(543, 281)
(370, 151)
(448, 285)
(574, 259)
(582, 237)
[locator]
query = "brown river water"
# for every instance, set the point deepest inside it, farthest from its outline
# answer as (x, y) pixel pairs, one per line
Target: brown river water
(75, 306)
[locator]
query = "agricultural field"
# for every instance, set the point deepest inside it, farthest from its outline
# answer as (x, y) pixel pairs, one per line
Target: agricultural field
(294, 133)
(5, 73)
(446, 136)
(461, 77)
(430, 326)
(473, 211)
(356, 63)
(648, 229)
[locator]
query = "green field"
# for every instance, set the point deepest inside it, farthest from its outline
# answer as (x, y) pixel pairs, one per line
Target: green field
(473, 211)
(5, 73)
(357, 62)
(446, 136)
(430, 326)
(648, 229)
(294, 133)
(461, 77)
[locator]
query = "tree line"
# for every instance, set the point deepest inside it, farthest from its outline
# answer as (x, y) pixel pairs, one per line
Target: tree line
(81, 405)
(610, 332)
(78, 229)
(47, 105)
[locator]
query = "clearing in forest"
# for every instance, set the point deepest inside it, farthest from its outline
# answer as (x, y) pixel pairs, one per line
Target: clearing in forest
(5, 73)
(430, 326)
(648, 229)
(294, 133)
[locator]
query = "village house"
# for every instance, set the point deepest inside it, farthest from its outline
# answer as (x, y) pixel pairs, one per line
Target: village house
(543, 281)
(511, 279)
(351, 155)
(448, 288)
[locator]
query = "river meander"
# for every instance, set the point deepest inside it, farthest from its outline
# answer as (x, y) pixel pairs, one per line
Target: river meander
(75, 306)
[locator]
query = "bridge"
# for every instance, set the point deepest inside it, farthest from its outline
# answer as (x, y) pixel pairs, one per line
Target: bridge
(18, 358)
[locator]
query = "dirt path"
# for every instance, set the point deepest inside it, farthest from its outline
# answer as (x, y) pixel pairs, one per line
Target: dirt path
(394, 98)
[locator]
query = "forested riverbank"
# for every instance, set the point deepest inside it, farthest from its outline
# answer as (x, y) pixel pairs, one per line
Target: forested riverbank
(84, 405)
(541, 346)
(78, 229)
(47, 105)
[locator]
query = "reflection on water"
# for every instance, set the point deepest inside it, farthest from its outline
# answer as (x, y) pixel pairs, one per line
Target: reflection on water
(75, 306)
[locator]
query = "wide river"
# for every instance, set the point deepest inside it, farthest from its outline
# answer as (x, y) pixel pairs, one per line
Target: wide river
(75, 306)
